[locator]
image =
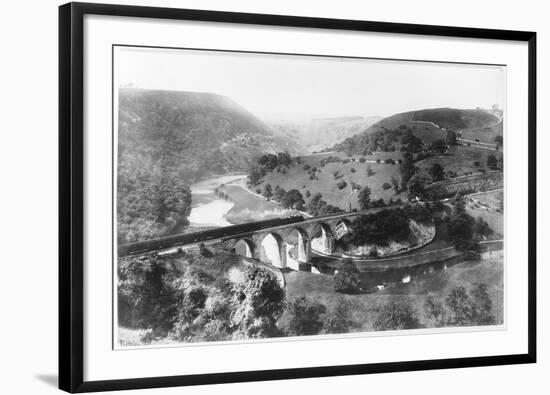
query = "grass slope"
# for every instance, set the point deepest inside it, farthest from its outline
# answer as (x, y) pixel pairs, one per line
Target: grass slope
(297, 178)
(474, 124)
(489, 270)
(459, 161)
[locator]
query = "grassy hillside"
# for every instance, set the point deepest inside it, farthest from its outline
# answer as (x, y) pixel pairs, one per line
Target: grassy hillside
(455, 119)
(459, 161)
(488, 270)
(425, 124)
(325, 181)
(485, 134)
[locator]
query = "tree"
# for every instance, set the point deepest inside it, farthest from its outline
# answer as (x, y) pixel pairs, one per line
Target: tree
(407, 169)
(370, 172)
(293, 199)
(305, 317)
(482, 305)
(364, 197)
(436, 311)
(499, 140)
(396, 316)
(451, 138)
(437, 173)
(339, 320)
(254, 174)
(268, 193)
(347, 279)
(260, 302)
(395, 183)
(492, 162)
(278, 193)
(439, 145)
(459, 305)
(144, 287)
(317, 206)
(416, 189)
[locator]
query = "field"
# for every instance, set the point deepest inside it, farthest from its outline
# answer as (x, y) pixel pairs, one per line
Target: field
(484, 205)
(493, 200)
(485, 135)
(459, 161)
(326, 181)
(489, 270)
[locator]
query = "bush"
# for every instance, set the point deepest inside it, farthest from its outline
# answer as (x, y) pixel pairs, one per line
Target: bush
(396, 316)
(342, 184)
(339, 320)
(305, 317)
(352, 170)
(347, 279)
(373, 252)
(260, 300)
(386, 185)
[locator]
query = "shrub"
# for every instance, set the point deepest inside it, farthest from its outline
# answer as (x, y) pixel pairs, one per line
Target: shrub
(386, 185)
(373, 252)
(260, 300)
(347, 280)
(305, 317)
(342, 184)
(339, 320)
(396, 316)
(352, 170)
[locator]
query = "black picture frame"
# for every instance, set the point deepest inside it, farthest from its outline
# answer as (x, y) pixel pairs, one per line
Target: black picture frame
(71, 181)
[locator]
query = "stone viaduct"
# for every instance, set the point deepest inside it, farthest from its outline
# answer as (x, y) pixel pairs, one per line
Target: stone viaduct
(292, 245)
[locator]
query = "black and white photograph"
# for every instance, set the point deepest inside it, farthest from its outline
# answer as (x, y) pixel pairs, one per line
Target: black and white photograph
(263, 196)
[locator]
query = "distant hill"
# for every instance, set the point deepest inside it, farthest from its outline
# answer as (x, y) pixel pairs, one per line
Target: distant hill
(200, 133)
(321, 133)
(426, 124)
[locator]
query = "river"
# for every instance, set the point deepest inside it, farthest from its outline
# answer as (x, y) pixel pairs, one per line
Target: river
(208, 209)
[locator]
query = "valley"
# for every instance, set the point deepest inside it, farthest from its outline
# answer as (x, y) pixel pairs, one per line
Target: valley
(363, 212)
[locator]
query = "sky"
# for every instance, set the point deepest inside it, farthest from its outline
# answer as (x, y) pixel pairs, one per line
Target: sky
(287, 87)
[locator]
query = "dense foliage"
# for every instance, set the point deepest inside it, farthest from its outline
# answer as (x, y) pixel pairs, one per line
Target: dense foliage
(378, 228)
(306, 316)
(462, 307)
(192, 304)
(293, 199)
(266, 163)
(347, 279)
(151, 201)
(319, 207)
(464, 230)
(396, 316)
(366, 143)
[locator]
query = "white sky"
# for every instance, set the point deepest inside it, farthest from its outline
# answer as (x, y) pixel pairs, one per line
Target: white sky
(290, 86)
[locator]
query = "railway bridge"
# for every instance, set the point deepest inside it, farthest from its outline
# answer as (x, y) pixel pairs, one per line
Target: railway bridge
(286, 243)
(291, 245)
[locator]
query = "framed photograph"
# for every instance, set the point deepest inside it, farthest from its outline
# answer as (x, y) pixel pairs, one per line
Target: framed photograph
(251, 197)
